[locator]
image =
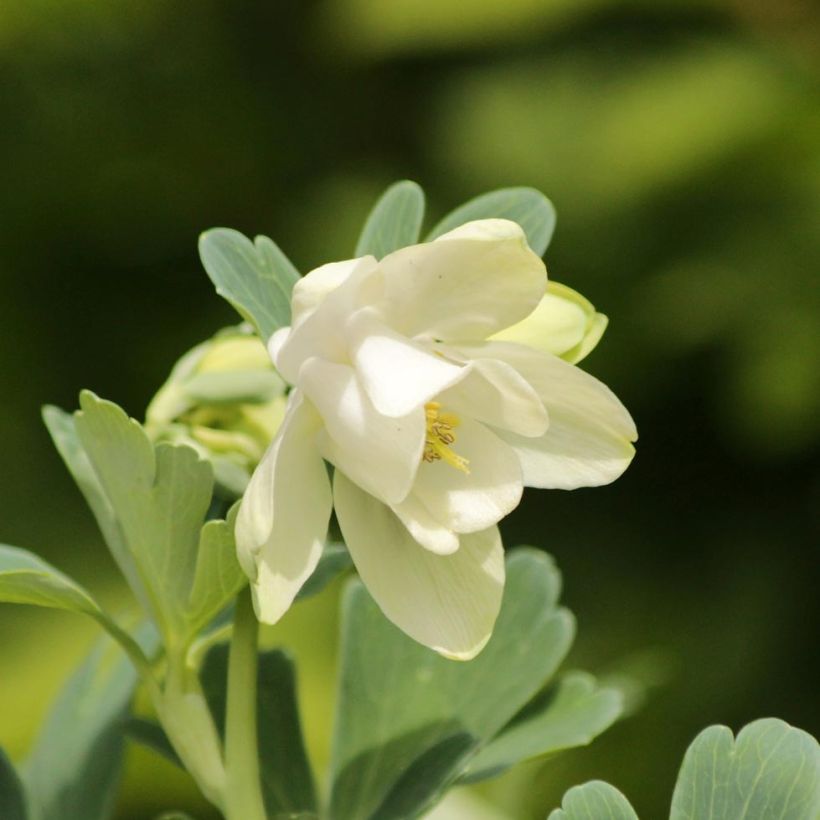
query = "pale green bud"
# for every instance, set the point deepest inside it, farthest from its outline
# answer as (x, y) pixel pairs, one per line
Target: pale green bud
(225, 399)
(564, 323)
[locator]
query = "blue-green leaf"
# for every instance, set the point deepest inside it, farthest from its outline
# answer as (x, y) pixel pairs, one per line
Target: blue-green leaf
(255, 277)
(75, 766)
(12, 795)
(526, 206)
(596, 801)
(770, 772)
(572, 712)
(408, 720)
(394, 222)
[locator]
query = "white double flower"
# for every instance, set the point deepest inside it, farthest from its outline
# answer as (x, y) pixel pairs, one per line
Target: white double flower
(432, 425)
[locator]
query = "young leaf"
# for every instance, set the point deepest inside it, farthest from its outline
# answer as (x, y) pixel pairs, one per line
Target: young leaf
(571, 713)
(12, 795)
(526, 206)
(394, 222)
(407, 719)
(255, 277)
(160, 497)
(770, 772)
(76, 763)
(287, 780)
(594, 801)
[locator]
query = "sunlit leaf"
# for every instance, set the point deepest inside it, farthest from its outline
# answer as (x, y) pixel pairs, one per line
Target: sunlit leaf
(526, 206)
(408, 720)
(394, 222)
(255, 277)
(595, 801)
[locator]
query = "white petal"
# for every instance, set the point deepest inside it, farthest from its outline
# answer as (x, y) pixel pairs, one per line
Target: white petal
(431, 534)
(447, 602)
(470, 502)
(320, 331)
(588, 442)
(310, 291)
(380, 453)
(283, 518)
(495, 393)
(466, 285)
(399, 375)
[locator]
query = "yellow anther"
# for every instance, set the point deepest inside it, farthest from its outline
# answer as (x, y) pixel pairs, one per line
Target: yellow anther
(440, 436)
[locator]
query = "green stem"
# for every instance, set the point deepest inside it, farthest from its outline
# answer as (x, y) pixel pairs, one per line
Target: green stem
(243, 798)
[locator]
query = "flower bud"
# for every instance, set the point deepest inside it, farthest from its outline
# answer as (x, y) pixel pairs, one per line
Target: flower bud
(225, 399)
(564, 323)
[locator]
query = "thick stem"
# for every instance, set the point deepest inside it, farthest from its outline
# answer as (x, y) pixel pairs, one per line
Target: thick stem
(243, 798)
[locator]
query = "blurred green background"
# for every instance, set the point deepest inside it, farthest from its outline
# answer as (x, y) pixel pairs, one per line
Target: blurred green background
(680, 142)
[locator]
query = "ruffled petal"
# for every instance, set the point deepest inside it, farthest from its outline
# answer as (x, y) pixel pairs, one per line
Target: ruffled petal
(421, 525)
(380, 453)
(466, 285)
(447, 602)
(588, 442)
(474, 500)
(283, 518)
(495, 393)
(398, 374)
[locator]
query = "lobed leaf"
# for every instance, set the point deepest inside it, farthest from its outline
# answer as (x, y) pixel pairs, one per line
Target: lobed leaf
(526, 206)
(394, 222)
(255, 277)
(594, 801)
(408, 720)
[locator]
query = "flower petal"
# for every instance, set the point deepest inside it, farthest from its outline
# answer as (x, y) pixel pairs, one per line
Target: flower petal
(468, 502)
(588, 442)
(495, 393)
(447, 602)
(466, 285)
(380, 453)
(283, 518)
(431, 534)
(310, 291)
(398, 374)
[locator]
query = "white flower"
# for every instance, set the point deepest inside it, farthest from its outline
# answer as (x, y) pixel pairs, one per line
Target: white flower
(432, 426)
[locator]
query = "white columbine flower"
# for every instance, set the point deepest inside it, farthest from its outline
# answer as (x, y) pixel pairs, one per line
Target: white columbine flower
(433, 427)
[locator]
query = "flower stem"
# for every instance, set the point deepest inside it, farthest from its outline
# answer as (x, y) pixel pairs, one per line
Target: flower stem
(243, 798)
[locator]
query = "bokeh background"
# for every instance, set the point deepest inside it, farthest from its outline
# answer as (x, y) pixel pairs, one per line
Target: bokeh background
(680, 142)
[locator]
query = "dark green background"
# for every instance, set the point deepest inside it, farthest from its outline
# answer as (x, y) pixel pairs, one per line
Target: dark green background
(680, 143)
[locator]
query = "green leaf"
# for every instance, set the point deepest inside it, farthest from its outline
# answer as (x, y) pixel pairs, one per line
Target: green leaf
(160, 496)
(770, 772)
(595, 801)
(394, 222)
(255, 277)
(334, 561)
(526, 206)
(408, 720)
(287, 780)
(12, 795)
(571, 713)
(27, 579)
(76, 763)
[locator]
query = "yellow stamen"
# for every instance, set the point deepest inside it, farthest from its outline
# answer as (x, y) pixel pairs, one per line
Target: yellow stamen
(440, 436)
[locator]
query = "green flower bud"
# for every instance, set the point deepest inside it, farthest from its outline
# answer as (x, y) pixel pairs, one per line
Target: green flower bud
(225, 399)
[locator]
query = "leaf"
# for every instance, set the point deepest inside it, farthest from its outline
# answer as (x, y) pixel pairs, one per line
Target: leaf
(526, 206)
(255, 277)
(595, 801)
(334, 561)
(27, 579)
(160, 497)
(408, 720)
(770, 772)
(571, 713)
(76, 763)
(394, 222)
(12, 795)
(287, 781)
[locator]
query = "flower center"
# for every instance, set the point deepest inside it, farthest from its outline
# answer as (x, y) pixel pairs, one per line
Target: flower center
(440, 436)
